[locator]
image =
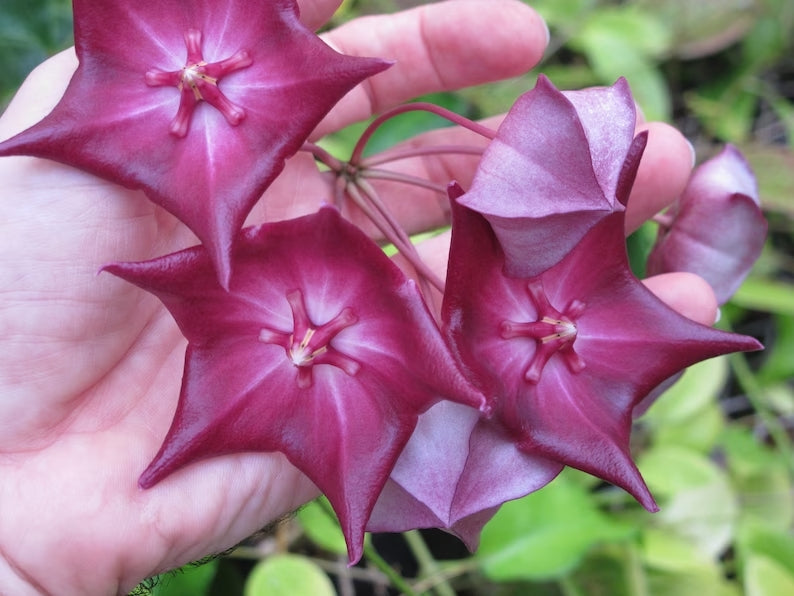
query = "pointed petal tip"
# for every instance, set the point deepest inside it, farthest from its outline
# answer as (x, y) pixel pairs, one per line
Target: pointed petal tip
(220, 253)
(150, 476)
(631, 166)
(545, 81)
(354, 553)
(645, 498)
(634, 484)
(751, 344)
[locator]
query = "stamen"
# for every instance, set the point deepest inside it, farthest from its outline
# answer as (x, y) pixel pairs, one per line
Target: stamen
(554, 332)
(198, 81)
(310, 344)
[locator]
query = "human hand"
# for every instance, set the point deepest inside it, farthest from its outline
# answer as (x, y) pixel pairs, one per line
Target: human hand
(90, 367)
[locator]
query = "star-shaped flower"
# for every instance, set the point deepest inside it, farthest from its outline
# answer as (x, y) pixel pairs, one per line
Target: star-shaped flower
(717, 229)
(196, 102)
(566, 355)
(560, 162)
(321, 349)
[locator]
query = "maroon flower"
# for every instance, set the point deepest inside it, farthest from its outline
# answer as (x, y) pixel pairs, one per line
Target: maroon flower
(454, 473)
(566, 355)
(321, 349)
(196, 102)
(560, 162)
(717, 229)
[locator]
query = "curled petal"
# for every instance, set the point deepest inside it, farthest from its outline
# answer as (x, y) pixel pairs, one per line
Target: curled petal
(560, 163)
(717, 229)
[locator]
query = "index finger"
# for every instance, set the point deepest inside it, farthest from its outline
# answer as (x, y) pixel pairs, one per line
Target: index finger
(437, 47)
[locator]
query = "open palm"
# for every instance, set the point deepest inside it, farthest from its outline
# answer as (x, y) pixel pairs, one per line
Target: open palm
(90, 366)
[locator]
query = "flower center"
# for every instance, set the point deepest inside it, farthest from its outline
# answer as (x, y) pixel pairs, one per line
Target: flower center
(198, 81)
(554, 332)
(310, 344)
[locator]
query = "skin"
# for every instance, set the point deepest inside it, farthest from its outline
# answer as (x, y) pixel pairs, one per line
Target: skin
(90, 366)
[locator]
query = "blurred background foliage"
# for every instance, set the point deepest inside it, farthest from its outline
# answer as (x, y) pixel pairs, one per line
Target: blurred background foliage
(716, 450)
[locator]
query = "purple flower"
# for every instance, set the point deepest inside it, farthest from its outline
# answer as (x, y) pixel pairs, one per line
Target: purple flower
(566, 355)
(717, 229)
(196, 102)
(455, 472)
(321, 349)
(560, 163)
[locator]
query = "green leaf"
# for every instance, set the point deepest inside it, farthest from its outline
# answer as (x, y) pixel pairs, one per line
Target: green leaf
(773, 542)
(666, 551)
(767, 295)
(677, 567)
(726, 109)
(563, 13)
(696, 498)
(687, 414)
(190, 580)
(765, 577)
(639, 245)
(30, 32)
(636, 28)
(760, 477)
(778, 365)
(288, 575)
(409, 124)
(321, 528)
(696, 389)
(774, 169)
(545, 534)
(704, 27)
(609, 570)
(664, 583)
(625, 43)
(764, 43)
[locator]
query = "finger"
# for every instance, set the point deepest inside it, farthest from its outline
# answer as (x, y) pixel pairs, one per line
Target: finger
(39, 94)
(686, 293)
(663, 173)
(437, 47)
(315, 13)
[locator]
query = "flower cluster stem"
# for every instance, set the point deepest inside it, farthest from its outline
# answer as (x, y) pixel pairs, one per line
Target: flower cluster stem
(371, 555)
(398, 154)
(358, 150)
(754, 392)
(365, 197)
(428, 566)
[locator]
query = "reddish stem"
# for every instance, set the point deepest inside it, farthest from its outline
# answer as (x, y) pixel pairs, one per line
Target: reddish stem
(399, 154)
(358, 150)
(367, 199)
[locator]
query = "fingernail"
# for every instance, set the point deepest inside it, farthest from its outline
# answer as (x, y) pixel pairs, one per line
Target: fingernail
(692, 151)
(548, 33)
(719, 316)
